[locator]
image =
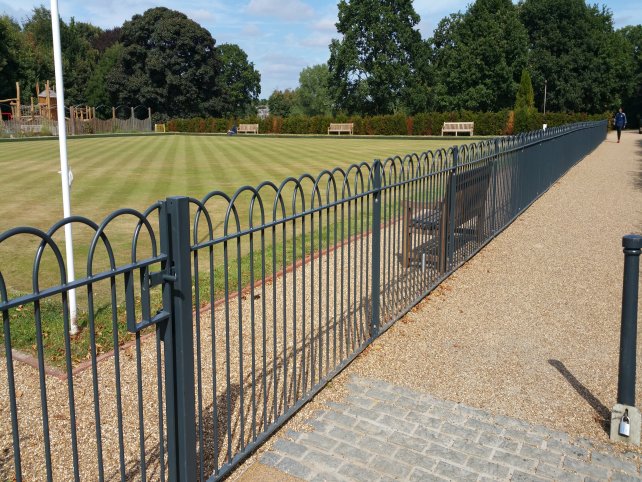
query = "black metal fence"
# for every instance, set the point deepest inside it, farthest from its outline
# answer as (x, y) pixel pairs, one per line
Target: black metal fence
(239, 309)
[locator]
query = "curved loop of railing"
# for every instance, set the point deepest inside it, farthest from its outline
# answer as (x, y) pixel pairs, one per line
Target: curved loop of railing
(300, 182)
(201, 209)
(279, 195)
(90, 254)
(3, 289)
(46, 240)
(236, 195)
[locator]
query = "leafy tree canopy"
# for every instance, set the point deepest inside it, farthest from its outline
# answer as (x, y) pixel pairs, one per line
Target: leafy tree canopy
(372, 64)
(168, 63)
(573, 48)
(478, 57)
(313, 92)
(240, 81)
(525, 98)
(10, 50)
(283, 103)
(632, 99)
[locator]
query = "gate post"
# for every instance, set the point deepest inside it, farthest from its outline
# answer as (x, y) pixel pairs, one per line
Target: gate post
(376, 250)
(177, 336)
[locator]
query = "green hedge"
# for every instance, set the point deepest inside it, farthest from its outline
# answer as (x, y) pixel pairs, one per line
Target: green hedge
(425, 124)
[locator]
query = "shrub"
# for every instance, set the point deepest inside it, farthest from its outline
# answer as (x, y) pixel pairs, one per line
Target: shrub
(504, 122)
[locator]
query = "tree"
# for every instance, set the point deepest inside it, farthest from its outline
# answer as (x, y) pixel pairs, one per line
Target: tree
(372, 65)
(37, 57)
(239, 82)
(168, 63)
(79, 58)
(525, 104)
(632, 96)
(478, 57)
(10, 50)
(525, 98)
(313, 93)
(575, 50)
(96, 91)
(282, 103)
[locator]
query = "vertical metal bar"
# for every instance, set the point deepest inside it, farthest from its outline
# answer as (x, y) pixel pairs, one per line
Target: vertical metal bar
(301, 385)
(199, 371)
(327, 288)
(294, 304)
(119, 398)
(214, 362)
(94, 380)
(312, 271)
(376, 250)
(493, 204)
(320, 292)
(12, 389)
(239, 297)
(178, 339)
(628, 335)
(43, 390)
(141, 414)
(161, 434)
(264, 327)
(253, 335)
(228, 355)
(452, 200)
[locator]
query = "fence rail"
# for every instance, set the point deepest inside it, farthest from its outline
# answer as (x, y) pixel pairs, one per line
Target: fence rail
(236, 323)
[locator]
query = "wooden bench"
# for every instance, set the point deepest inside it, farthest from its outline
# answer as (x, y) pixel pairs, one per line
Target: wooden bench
(248, 128)
(458, 127)
(434, 221)
(339, 128)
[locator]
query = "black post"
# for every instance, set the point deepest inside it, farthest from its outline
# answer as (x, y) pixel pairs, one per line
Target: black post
(632, 244)
(177, 335)
(376, 249)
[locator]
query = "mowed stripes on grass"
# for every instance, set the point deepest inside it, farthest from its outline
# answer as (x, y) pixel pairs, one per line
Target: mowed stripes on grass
(116, 172)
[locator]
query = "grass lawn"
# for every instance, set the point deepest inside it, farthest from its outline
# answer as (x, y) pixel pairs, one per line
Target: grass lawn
(116, 172)
(134, 172)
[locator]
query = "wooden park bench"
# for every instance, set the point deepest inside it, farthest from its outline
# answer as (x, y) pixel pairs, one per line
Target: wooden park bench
(339, 128)
(426, 226)
(458, 127)
(248, 128)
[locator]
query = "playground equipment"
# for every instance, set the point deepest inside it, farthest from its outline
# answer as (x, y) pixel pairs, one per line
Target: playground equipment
(43, 108)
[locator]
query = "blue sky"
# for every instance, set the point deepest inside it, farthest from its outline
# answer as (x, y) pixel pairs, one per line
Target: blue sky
(281, 37)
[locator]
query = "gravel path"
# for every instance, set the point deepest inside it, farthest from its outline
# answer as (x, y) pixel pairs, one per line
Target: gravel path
(529, 328)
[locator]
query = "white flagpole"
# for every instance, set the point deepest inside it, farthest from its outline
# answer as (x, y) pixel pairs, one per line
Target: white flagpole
(64, 166)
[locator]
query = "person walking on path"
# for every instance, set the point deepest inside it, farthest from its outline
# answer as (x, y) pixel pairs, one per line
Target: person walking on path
(620, 123)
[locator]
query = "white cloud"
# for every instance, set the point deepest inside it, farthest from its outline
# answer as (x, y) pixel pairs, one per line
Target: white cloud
(252, 30)
(291, 10)
(201, 16)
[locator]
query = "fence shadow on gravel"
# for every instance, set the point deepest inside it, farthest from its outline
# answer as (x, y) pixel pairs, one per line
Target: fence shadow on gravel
(236, 323)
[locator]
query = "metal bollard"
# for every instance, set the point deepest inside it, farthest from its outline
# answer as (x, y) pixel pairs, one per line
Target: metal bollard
(626, 420)
(632, 244)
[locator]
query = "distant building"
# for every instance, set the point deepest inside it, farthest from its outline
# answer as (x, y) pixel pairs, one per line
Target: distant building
(263, 111)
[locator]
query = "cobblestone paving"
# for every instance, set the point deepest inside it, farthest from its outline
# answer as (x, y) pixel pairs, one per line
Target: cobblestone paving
(385, 432)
